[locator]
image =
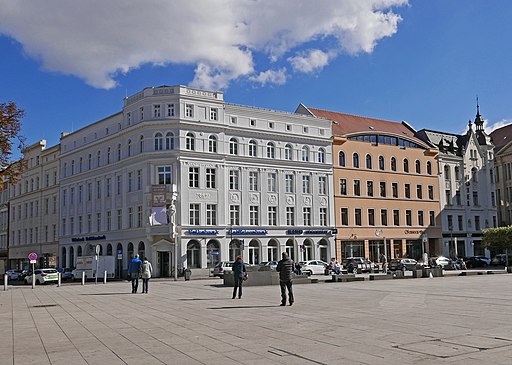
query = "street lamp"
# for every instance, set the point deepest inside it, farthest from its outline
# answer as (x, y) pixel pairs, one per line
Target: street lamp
(450, 228)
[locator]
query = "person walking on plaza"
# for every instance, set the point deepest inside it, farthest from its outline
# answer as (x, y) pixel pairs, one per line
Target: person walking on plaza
(134, 272)
(239, 272)
(384, 262)
(285, 270)
(147, 269)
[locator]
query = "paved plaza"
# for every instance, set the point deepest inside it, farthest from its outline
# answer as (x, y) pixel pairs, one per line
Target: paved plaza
(450, 320)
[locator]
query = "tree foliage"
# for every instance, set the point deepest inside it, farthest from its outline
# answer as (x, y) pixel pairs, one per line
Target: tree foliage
(10, 127)
(499, 238)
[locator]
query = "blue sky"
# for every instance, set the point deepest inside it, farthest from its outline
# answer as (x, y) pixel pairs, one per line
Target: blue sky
(419, 61)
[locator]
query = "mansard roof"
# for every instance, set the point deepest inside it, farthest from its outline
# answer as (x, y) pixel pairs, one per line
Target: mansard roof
(501, 137)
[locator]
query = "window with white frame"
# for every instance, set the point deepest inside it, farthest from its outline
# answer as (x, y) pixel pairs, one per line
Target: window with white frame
(190, 142)
(189, 110)
(159, 142)
(254, 218)
(139, 216)
(170, 110)
(119, 184)
(290, 216)
(289, 183)
(253, 180)
(322, 185)
(234, 180)
(306, 184)
(129, 118)
(141, 144)
(130, 217)
(211, 178)
(169, 141)
(271, 150)
(233, 120)
(272, 182)
(109, 155)
(306, 216)
(194, 214)
(214, 114)
(305, 154)
(156, 111)
(139, 179)
(253, 122)
(288, 152)
(211, 214)
(128, 147)
(141, 113)
(323, 216)
(233, 146)
(272, 216)
(234, 215)
(164, 175)
(253, 148)
(321, 155)
(193, 177)
(212, 144)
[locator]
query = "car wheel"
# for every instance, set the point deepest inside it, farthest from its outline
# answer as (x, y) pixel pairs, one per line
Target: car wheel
(307, 273)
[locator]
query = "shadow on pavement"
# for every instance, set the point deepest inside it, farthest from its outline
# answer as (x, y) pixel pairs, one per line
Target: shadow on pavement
(245, 306)
(107, 293)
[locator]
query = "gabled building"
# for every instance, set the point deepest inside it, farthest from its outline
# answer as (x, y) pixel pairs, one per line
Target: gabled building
(386, 195)
(502, 140)
(467, 185)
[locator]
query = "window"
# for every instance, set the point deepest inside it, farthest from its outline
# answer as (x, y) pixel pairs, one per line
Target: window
(119, 219)
(408, 191)
(431, 192)
(408, 217)
(169, 141)
(159, 140)
(129, 118)
(170, 110)
(234, 215)
(272, 216)
(193, 177)
(306, 184)
(396, 217)
(139, 216)
(89, 191)
(341, 159)
(253, 180)
(432, 218)
(156, 111)
(252, 148)
(164, 175)
(418, 167)
(305, 154)
(446, 172)
(233, 146)
(368, 162)
(382, 186)
(419, 192)
(323, 216)
(290, 216)
(130, 217)
(233, 120)
(210, 178)
(212, 144)
(189, 110)
(234, 178)
(271, 150)
(475, 198)
(384, 217)
(119, 184)
(357, 217)
(357, 188)
(141, 146)
(214, 114)
(139, 179)
(306, 216)
(344, 216)
(429, 168)
(393, 164)
(98, 222)
(355, 160)
(321, 155)
(190, 142)
(193, 214)
(252, 122)
(406, 165)
(141, 114)
(272, 182)
(119, 152)
(460, 222)
(109, 155)
(254, 218)
(128, 148)
(289, 183)
(343, 186)
(322, 185)
(371, 217)
(394, 190)
(211, 214)
(288, 152)
(420, 218)
(369, 188)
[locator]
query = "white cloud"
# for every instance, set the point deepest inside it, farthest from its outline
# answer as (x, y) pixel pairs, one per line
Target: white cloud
(313, 60)
(277, 77)
(491, 127)
(95, 40)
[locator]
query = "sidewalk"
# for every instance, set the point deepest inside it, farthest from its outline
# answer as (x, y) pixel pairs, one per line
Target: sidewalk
(451, 320)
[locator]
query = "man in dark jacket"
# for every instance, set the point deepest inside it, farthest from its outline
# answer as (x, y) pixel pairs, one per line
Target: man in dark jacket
(285, 270)
(134, 272)
(239, 271)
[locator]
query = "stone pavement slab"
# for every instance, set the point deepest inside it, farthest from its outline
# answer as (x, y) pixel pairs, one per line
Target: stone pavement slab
(450, 320)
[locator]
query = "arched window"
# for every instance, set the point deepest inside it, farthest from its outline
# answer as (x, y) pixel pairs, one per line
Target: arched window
(253, 148)
(288, 152)
(190, 142)
(212, 144)
(212, 253)
(119, 152)
(129, 250)
(89, 161)
(393, 164)
(447, 172)
(341, 159)
(109, 154)
(271, 150)
(129, 148)
(305, 154)
(79, 251)
(321, 155)
(159, 141)
(193, 254)
(141, 250)
(406, 165)
(457, 173)
(429, 168)
(141, 144)
(169, 141)
(355, 160)
(72, 167)
(109, 249)
(474, 175)
(418, 166)
(98, 159)
(233, 146)
(368, 161)
(80, 164)
(381, 163)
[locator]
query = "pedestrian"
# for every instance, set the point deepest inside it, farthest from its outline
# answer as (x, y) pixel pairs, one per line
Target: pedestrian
(239, 274)
(285, 269)
(147, 269)
(134, 272)
(384, 262)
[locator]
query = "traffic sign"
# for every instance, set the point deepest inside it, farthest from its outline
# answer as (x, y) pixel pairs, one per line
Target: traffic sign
(32, 256)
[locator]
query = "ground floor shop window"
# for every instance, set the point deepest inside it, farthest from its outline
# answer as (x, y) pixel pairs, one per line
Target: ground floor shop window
(235, 249)
(272, 251)
(352, 248)
(213, 253)
(254, 253)
(413, 249)
(290, 249)
(193, 255)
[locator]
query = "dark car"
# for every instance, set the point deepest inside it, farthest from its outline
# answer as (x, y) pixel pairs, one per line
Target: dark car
(477, 261)
(403, 264)
(66, 274)
(358, 265)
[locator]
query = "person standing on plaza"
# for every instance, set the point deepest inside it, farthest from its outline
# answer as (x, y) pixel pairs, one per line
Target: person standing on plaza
(285, 270)
(147, 269)
(239, 272)
(384, 262)
(134, 272)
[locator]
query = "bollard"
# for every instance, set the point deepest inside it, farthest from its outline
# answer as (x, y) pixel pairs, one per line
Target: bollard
(6, 278)
(105, 277)
(33, 279)
(59, 278)
(83, 277)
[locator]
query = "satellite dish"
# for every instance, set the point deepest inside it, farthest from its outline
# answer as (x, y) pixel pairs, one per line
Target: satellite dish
(378, 232)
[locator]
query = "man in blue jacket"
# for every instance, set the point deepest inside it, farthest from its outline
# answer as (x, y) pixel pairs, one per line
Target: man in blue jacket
(134, 272)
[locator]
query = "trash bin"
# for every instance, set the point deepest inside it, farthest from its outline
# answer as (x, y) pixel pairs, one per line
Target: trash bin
(187, 274)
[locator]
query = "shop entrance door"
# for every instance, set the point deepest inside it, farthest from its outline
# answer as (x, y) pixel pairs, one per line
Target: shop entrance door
(163, 264)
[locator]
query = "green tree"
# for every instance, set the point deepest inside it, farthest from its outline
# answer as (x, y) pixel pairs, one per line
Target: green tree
(10, 127)
(498, 238)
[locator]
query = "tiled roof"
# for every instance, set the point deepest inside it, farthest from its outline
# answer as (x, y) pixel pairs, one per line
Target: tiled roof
(501, 137)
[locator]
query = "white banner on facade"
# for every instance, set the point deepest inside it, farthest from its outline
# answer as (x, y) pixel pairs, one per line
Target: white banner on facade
(158, 216)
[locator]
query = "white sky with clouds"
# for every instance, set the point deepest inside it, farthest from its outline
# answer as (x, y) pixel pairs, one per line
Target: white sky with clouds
(96, 40)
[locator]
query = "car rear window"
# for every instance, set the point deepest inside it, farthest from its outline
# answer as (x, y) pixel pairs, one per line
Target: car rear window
(49, 271)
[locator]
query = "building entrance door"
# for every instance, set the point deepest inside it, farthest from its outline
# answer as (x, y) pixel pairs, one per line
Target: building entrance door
(163, 264)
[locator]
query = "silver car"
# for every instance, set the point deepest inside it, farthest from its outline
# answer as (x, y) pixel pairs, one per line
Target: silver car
(221, 268)
(313, 267)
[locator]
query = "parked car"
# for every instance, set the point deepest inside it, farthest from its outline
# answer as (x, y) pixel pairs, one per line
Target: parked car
(403, 264)
(272, 264)
(221, 268)
(313, 267)
(66, 274)
(442, 261)
(43, 276)
(359, 264)
(13, 274)
(477, 261)
(501, 259)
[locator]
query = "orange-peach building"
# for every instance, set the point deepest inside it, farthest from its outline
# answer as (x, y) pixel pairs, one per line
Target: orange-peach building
(386, 188)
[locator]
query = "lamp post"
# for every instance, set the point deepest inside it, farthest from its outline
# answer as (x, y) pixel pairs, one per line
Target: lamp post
(450, 228)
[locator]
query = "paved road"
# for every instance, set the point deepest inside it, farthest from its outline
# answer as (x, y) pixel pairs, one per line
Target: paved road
(450, 320)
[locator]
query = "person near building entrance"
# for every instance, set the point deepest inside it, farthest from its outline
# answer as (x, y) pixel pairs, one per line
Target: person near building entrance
(239, 273)
(147, 269)
(134, 272)
(384, 262)
(285, 270)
